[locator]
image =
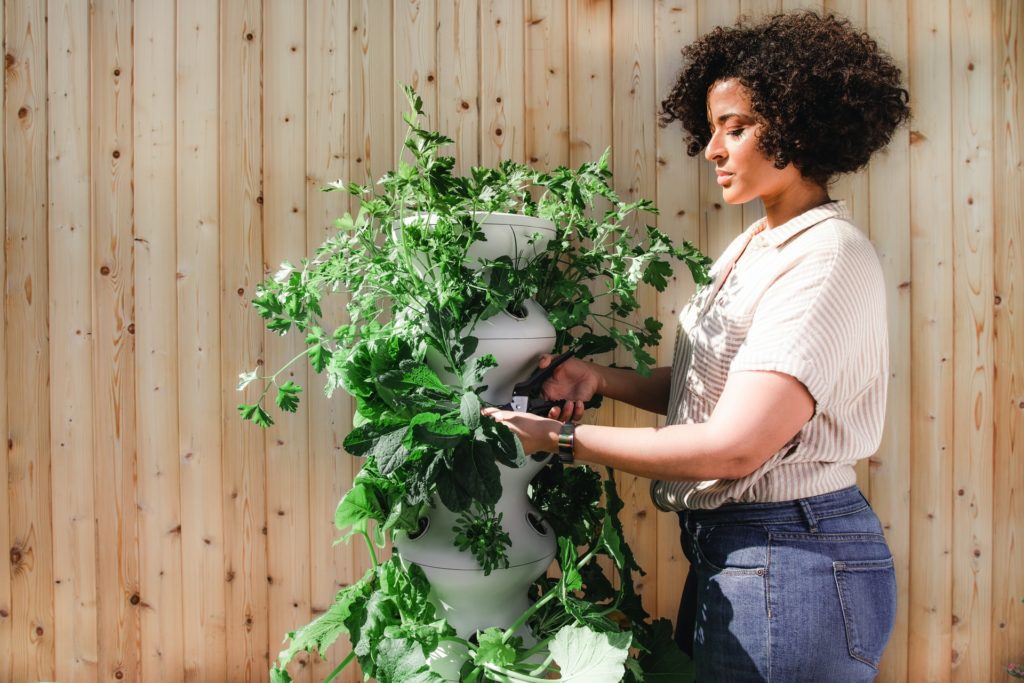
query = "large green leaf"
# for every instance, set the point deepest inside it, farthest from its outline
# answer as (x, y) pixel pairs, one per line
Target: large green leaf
(586, 656)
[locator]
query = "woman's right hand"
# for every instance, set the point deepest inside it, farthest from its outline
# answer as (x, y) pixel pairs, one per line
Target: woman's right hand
(574, 381)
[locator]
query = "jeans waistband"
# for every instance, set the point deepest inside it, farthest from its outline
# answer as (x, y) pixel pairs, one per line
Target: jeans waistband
(834, 504)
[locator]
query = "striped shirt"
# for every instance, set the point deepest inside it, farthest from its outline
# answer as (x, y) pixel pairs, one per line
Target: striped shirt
(807, 299)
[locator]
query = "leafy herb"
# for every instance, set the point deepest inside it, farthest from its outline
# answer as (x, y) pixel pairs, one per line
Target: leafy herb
(415, 293)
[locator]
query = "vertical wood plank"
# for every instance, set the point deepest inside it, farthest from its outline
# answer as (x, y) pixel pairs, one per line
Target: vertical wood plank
(853, 188)
(6, 632)
(754, 10)
(116, 471)
(156, 339)
(722, 222)
(415, 30)
(973, 360)
(71, 385)
(247, 637)
(547, 85)
(678, 196)
(889, 223)
(634, 167)
(27, 355)
(502, 95)
(931, 368)
(330, 419)
(375, 102)
(458, 77)
(590, 106)
(1007, 629)
(198, 227)
(284, 102)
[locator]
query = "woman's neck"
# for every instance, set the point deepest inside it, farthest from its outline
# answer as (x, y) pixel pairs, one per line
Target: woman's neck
(792, 201)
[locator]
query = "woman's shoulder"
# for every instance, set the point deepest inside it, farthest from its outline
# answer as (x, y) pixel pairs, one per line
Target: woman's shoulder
(836, 240)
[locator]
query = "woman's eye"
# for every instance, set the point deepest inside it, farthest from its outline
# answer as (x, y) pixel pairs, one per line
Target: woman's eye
(735, 132)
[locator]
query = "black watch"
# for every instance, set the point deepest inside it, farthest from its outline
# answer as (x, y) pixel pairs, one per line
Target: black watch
(567, 443)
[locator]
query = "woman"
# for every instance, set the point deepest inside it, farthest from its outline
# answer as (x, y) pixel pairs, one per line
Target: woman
(778, 381)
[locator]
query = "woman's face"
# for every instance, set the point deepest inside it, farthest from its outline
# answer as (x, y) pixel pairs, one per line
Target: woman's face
(743, 172)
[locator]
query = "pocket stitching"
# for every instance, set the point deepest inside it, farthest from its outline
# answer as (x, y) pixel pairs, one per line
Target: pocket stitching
(728, 571)
(852, 637)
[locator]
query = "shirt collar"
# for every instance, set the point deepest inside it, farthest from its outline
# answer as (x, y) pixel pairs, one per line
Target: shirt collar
(782, 233)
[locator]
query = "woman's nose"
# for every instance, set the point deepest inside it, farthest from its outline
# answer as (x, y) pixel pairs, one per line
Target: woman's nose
(714, 150)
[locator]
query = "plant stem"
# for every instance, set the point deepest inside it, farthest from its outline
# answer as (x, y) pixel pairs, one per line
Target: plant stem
(525, 616)
(544, 665)
(515, 675)
(338, 669)
(369, 546)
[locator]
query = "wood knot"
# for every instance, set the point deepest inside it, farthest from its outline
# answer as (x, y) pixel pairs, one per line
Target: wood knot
(135, 599)
(116, 154)
(22, 112)
(9, 60)
(248, 36)
(117, 72)
(131, 328)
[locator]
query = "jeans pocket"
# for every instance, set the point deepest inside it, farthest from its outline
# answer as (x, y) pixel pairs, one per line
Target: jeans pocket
(867, 596)
(729, 549)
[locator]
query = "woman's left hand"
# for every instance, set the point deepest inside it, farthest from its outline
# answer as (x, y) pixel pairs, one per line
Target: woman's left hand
(537, 434)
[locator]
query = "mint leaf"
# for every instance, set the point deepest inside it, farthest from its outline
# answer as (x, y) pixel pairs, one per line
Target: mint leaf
(585, 656)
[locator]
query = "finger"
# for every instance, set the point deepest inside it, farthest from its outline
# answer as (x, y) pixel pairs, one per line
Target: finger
(577, 413)
(545, 360)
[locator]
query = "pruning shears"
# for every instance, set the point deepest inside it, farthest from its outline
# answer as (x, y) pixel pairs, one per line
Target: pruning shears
(526, 397)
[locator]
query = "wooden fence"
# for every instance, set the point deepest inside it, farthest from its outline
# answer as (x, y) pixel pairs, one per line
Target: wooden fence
(161, 156)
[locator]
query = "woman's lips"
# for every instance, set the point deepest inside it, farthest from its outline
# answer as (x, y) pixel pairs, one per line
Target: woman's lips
(723, 177)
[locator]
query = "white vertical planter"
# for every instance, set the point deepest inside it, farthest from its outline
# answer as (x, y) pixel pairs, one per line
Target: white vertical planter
(460, 591)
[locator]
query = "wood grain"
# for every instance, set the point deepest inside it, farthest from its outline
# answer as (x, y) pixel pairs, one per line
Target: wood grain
(974, 358)
(889, 225)
(71, 348)
(677, 194)
(931, 478)
(502, 69)
(634, 166)
(243, 459)
(115, 446)
(1007, 626)
(26, 296)
(330, 419)
(284, 239)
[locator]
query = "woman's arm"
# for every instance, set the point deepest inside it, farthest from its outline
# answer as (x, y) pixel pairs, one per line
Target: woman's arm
(629, 386)
(576, 381)
(758, 413)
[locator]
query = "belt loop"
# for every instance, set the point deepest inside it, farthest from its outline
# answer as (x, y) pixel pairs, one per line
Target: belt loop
(812, 521)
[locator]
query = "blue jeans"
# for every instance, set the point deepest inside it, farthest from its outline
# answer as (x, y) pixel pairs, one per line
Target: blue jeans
(801, 591)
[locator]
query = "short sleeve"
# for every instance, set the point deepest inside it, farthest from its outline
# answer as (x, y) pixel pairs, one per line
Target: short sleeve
(810, 320)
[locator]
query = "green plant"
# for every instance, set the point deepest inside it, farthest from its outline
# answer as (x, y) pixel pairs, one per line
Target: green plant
(405, 262)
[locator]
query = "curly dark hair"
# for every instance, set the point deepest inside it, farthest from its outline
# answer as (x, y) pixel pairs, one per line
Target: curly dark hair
(827, 95)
